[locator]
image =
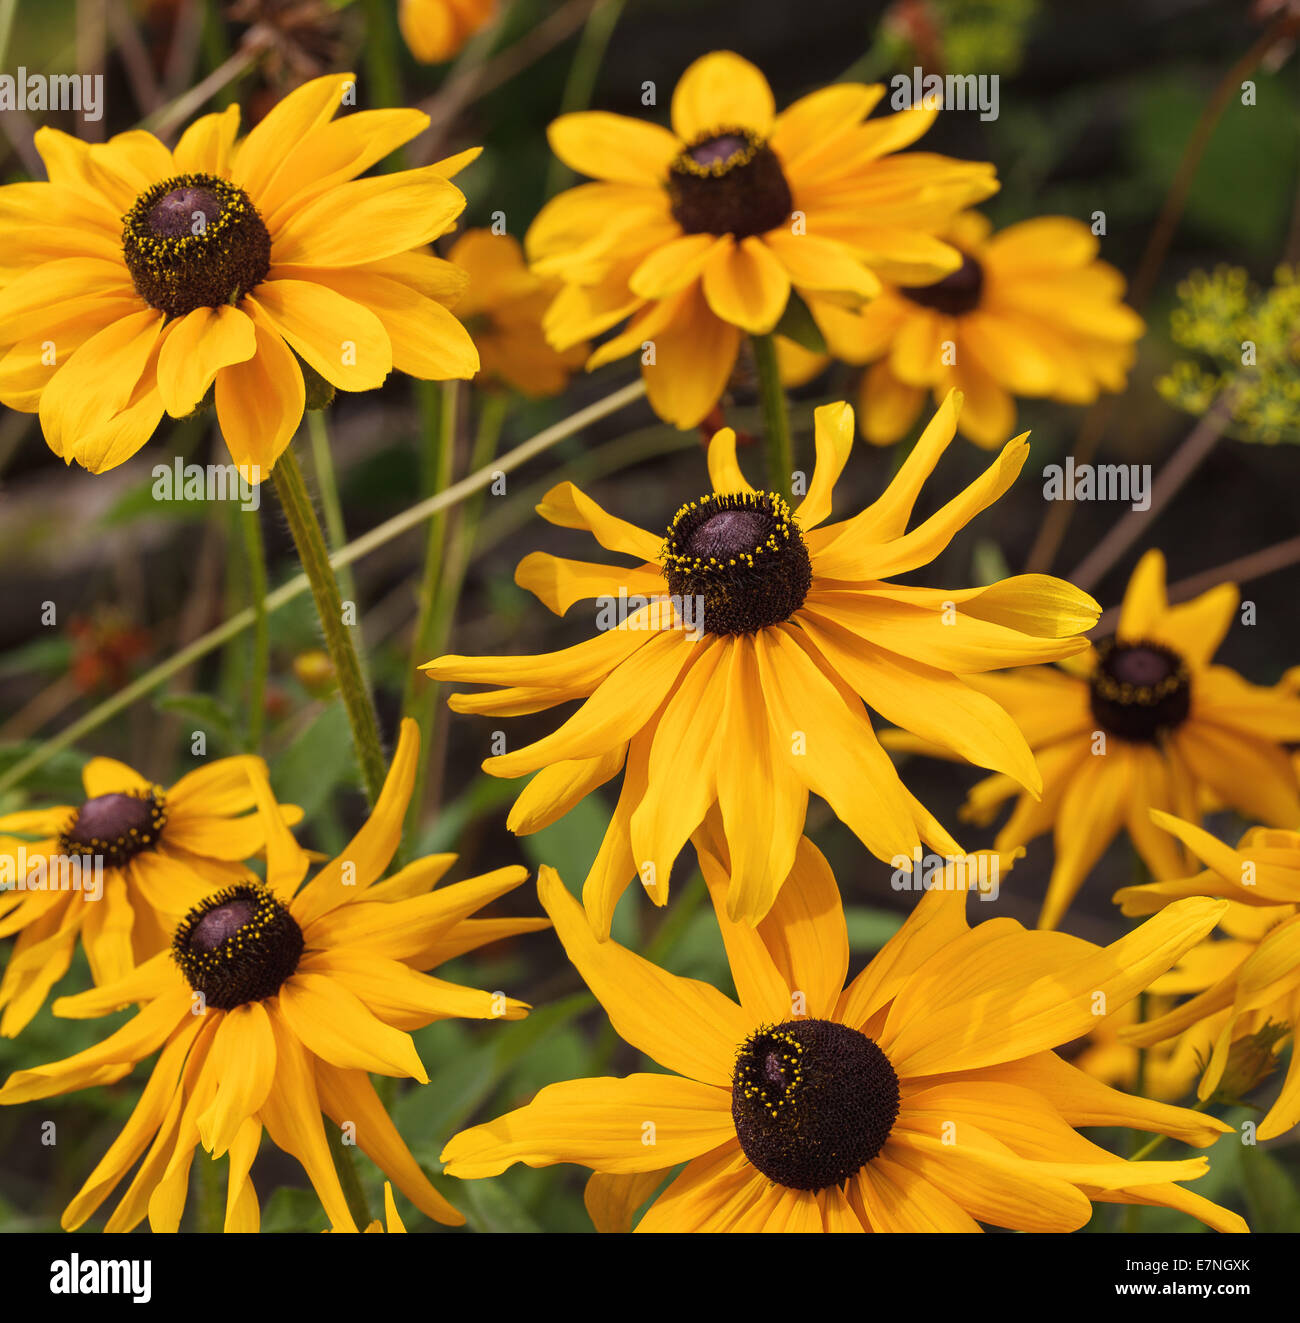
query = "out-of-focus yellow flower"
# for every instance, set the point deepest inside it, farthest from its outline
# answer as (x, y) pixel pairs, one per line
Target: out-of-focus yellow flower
(503, 308)
(435, 30)
(1246, 984)
(1143, 720)
(1030, 312)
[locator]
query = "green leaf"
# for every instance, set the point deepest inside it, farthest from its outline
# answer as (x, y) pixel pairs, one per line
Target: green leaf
(870, 929)
(210, 714)
(493, 1208)
(988, 563)
(797, 324)
(1272, 1200)
(570, 844)
(42, 655)
(485, 794)
(291, 1208)
(317, 761)
(58, 779)
(428, 1115)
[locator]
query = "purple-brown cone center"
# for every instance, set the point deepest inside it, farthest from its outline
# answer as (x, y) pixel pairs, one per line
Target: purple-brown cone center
(957, 293)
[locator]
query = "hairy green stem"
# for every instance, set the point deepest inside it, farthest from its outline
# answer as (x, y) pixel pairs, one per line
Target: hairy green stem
(327, 484)
(310, 541)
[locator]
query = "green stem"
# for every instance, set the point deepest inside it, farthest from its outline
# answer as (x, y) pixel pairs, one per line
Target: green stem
(439, 406)
(581, 82)
(1147, 1149)
(322, 463)
(383, 60)
(310, 541)
(455, 562)
(251, 526)
(212, 1193)
(356, 549)
(776, 421)
(1133, 1212)
(346, 1166)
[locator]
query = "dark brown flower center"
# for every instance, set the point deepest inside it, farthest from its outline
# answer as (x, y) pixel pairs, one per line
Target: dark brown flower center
(116, 827)
(194, 241)
(1140, 691)
(742, 557)
(238, 945)
(957, 293)
(813, 1101)
(728, 182)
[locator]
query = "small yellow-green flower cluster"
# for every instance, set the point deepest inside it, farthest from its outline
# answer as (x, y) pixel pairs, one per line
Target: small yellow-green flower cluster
(1250, 336)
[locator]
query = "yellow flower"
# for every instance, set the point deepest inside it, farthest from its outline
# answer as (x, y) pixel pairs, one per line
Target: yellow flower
(734, 660)
(118, 871)
(925, 1095)
(138, 280)
(502, 308)
(1248, 981)
(1030, 312)
(700, 233)
(273, 1006)
(435, 30)
(1142, 721)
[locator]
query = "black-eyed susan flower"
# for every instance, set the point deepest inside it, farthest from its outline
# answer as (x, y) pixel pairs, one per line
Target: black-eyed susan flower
(1246, 983)
(734, 661)
(1144, 720)
(699, 233)
(435, 30)
(1030, 311)
(502, 308)
(139, 281)
(117, 871)
(925, 1095)
(274, 1005)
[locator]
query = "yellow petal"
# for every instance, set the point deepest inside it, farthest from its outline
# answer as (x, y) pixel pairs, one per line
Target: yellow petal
(602, 1124)
(683, 1024)
(721, 91)
(613, 147)
(746, 286)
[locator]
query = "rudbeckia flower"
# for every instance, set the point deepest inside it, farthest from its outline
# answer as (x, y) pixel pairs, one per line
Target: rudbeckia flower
(1029, 312)
(925, 1095)
(118, 871)
(1144, 720)
(274, 1004)
(502, 308)
(1246, 985)
(138, 281)
(735, 659)
(435, 30)
(700, 233)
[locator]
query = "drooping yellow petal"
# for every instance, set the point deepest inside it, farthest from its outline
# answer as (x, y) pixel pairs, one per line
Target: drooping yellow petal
(685, 1025)
(627, 1125)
